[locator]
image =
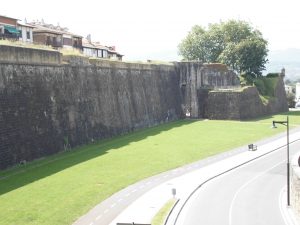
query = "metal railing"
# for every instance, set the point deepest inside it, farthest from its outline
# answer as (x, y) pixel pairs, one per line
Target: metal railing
(9, 37)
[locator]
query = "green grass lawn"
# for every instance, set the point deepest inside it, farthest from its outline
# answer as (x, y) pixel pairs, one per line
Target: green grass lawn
(59, 189)
(162, 214)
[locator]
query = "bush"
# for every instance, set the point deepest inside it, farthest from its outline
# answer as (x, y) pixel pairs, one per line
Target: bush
(260, 85)
(272, 75)
(246, 79)
(266, 85)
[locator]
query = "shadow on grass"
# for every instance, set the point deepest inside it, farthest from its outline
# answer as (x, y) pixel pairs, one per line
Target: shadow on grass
(20, 176)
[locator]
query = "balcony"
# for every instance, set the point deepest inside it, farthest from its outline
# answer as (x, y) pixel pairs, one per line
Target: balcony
(8, 36)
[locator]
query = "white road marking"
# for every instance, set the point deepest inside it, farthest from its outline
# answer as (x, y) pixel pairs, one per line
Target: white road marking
(113, 205)
(105, 211)
(98, 217)
(246, 184)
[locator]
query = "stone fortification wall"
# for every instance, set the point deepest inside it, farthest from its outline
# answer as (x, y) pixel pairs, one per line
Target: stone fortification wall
(295, 186)
(44, 109)
(20, 55)
(47, 105)
(236, 104)
(244, 103)
(196, 79)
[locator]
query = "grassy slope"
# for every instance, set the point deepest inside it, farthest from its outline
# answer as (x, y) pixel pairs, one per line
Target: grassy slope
(61, 188)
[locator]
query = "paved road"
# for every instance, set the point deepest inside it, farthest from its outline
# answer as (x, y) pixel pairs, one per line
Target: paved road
(247, 195)
(108, 210)
(105, 212)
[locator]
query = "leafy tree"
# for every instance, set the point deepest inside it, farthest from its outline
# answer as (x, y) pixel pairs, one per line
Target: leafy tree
(234, 43)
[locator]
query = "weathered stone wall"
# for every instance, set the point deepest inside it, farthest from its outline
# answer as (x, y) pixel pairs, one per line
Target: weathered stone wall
(44, 109)
(19, 55)
(47, 106)
(196, 79)
(244, 103)
(295, 186)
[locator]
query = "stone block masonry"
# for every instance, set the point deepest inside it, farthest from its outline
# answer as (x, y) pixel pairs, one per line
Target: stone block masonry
(20, 55)
(197, 79)
(47, 105)
(44, 109)
(244, 103)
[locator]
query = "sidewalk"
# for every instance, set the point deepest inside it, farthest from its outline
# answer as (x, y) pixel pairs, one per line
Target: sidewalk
(144, 209)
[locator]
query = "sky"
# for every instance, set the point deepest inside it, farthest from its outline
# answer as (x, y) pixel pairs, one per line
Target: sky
(143, 30)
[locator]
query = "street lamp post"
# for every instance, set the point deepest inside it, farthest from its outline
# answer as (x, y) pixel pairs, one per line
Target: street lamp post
(286, 123)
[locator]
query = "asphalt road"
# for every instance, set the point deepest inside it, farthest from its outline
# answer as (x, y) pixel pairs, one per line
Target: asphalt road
(105, 212)
(247, 195)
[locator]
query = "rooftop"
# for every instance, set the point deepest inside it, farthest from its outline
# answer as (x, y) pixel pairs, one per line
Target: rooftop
(8, 17)
(41, 26)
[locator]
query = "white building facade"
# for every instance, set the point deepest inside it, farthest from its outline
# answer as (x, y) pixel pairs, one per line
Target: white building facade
(297, 96)
(26, 34)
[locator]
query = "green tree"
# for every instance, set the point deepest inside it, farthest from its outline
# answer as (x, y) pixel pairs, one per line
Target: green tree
(234, 43)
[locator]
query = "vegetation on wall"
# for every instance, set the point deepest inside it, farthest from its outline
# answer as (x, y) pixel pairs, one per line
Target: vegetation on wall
(234, 43)
(265, 85)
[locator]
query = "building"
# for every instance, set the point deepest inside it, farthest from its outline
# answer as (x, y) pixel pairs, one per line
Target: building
(288, 89)
(26, 32)
(55, 36)
(58, 37)
(297, 95)
(95, 49)
(13, 29)
(113, 54)
(8, 28)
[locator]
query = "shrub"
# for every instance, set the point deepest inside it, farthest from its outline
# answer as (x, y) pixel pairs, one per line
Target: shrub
(272, 75)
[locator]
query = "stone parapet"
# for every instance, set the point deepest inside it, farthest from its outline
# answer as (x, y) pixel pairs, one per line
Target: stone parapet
(23, 55)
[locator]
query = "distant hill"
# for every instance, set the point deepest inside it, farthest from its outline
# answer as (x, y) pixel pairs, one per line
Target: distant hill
(289, 59)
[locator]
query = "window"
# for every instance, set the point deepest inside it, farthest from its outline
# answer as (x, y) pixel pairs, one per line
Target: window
(28, 35)
(105, 54)
(100, 53)
(67, 41)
